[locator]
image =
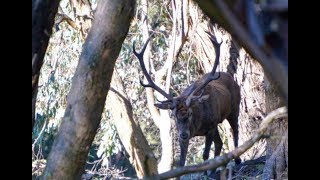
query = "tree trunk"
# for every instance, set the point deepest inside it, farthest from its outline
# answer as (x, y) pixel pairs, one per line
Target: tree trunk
(277, 144)
(275, 67)
(129, 131)
(162, 118)
(43, 14)
(89, 89)
(247, 73)
(258, 97)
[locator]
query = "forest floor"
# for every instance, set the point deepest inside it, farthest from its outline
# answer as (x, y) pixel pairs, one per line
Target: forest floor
(247, 170)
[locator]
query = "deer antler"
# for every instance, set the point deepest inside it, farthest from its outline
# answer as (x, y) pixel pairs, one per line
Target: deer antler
(209, 77)
(167, 104)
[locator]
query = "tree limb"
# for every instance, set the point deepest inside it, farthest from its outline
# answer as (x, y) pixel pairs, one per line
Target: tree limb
(43, 14)
(224, 159)
(130, 133)
(155, 114)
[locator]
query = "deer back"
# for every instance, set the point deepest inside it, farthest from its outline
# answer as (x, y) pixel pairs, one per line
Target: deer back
(223, 98)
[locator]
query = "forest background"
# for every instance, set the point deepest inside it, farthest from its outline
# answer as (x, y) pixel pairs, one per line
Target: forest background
(179, 53)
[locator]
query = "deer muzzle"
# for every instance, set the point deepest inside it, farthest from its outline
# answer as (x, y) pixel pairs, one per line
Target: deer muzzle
(184, 135)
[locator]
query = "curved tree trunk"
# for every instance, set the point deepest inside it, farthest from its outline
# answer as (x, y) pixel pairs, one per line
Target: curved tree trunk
(43, 14)
(129, 131)
(161, 117)
(89, 89)
(162, 120)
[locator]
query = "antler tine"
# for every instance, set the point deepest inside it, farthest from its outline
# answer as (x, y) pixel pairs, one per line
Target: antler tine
(144, 70)
(209, 77)
(216, 45)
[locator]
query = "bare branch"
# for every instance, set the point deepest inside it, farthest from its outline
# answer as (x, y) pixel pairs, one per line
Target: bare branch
(212, 164)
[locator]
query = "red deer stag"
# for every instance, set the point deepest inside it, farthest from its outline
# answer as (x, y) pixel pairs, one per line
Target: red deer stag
(201, 106)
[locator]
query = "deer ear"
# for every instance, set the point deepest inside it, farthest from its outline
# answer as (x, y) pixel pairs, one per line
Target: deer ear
(203, 98)
(200, 99)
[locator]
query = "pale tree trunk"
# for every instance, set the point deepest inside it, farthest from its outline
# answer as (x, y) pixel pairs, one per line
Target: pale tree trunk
(247, 73)
(277, 145)
(258, 97)
(274, 63)
(43, 14)
(162, 118)
(89, 89)
(135, 143)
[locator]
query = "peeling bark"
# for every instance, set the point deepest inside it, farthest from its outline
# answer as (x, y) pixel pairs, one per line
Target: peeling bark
(248, 74)
(135, 143)
(162, 118)
(277, 144)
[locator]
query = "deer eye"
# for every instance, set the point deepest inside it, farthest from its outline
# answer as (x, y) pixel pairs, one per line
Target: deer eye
(182, 116)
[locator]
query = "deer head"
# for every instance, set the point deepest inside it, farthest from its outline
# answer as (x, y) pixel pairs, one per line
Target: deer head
(180, 105)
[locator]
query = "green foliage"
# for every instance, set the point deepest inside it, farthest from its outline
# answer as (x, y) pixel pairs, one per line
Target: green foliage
(61, 60)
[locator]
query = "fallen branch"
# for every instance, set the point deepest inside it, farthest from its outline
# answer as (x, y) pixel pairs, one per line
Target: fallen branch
(224, 159)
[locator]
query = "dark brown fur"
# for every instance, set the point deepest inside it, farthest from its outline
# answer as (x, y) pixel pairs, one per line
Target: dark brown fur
(205, 113)
(201, 106)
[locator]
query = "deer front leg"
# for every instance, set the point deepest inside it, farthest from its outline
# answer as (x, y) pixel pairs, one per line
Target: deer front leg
(206, 152)
(217, 142)
(183, 151)
(207, 147)
(215, 137)
(233, 121)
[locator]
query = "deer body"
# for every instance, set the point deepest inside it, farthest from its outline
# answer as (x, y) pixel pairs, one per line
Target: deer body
(201, 106)
(202, 116)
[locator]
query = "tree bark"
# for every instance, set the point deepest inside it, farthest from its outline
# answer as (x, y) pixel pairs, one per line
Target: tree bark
(135, 143)
(277, 144)
(259, 96)
(89, 89)
(43, 14)
(228, 15)
(248, 74)
(161, 117)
